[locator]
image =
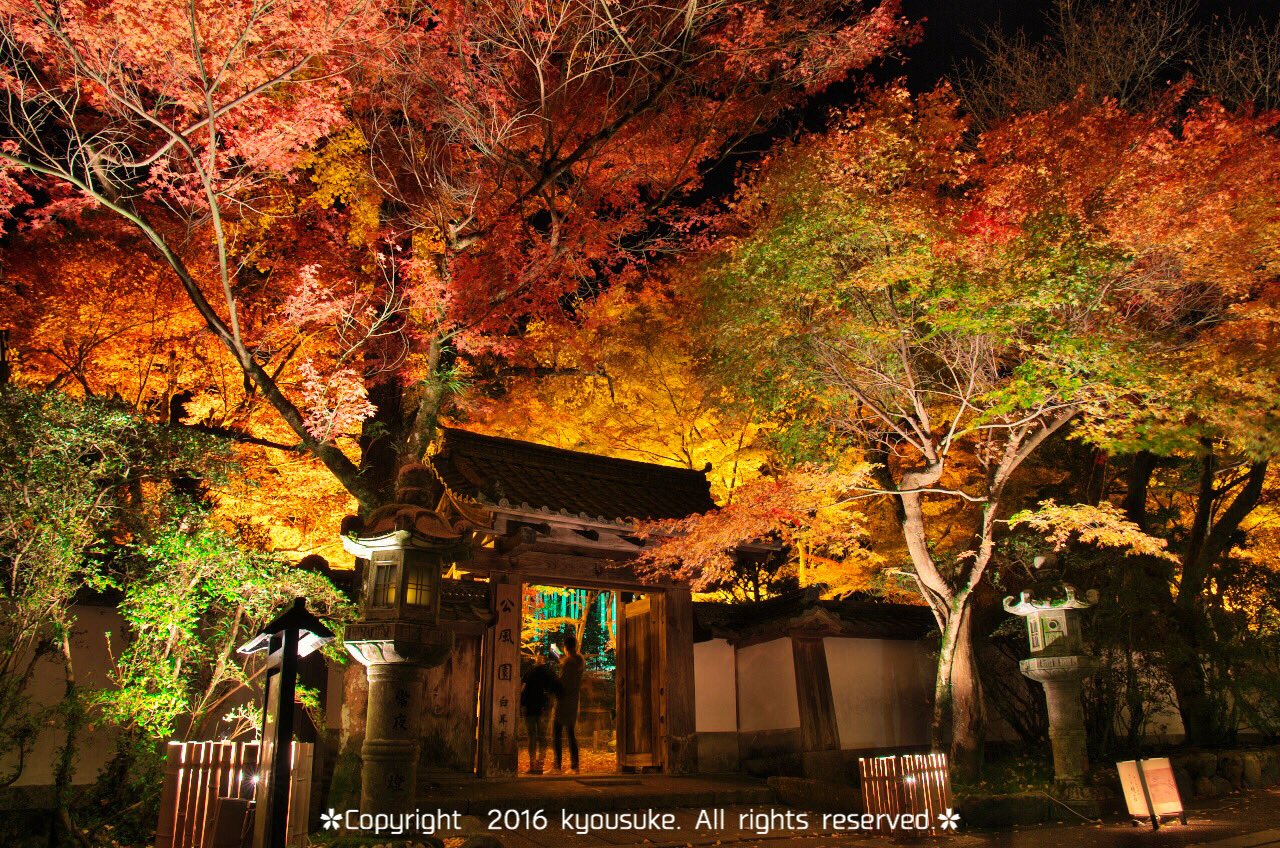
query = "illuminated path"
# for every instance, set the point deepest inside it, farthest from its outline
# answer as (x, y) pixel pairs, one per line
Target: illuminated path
(1248, 820)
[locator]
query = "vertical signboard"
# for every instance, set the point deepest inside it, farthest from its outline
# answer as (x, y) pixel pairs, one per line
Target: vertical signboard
(1150, 789)
(500, 704)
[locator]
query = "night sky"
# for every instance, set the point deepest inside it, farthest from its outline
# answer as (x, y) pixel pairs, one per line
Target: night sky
(949, 30)
(951, 24)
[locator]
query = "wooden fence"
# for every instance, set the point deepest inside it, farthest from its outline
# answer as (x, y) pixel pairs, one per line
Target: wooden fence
(908, 784)
(198, 774)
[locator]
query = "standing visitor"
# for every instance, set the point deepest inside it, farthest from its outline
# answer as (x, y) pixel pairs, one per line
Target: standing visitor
(572, 666)
(540, 685)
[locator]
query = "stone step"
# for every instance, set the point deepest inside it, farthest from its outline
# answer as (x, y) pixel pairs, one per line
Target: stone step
(475, 797)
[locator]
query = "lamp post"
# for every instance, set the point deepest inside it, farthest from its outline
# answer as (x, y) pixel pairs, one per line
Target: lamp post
(294, 634)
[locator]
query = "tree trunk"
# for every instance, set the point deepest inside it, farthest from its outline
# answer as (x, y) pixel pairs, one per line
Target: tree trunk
(64, 766)
(588, 607)
(1195, 705)
(380, 439)
(957, 708)
(431, 398)
(1208, 542)
(1137, 482)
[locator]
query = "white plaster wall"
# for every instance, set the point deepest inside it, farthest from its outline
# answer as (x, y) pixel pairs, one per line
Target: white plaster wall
(93, 667)
(92, 663)
(1164, 722)
(767, 698)
(881, 690)
(715, 687)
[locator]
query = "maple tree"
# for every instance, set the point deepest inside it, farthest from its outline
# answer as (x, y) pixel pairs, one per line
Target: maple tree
(542, 156)
(311, 228)
(943, 311)
(1211, 507)
(1127, 53)
(159, 114)
(1102, 525)
(623, 381)
(95, 316)
(475, 163)
(1189, 203)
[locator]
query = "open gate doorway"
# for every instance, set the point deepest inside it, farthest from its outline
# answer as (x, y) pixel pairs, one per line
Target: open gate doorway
(644, 723)
(544, 516)
(549, 614)
(622, 710)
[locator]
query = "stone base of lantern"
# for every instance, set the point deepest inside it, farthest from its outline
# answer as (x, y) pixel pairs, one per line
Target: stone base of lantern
(397, 674)
(1062, 678)
(1089, 801)
(389, 755)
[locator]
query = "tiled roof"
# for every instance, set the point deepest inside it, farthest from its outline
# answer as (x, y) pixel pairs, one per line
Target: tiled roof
(522, 475)
(857, 616)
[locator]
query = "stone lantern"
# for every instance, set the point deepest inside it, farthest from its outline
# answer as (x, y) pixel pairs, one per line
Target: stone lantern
(1058, 663)
(406, 549)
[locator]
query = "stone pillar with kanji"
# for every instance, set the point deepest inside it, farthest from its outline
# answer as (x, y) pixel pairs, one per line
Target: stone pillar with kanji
(389, 755)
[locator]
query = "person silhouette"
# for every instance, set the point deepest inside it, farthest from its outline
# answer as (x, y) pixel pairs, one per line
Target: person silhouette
(539, 687)
(565, 719)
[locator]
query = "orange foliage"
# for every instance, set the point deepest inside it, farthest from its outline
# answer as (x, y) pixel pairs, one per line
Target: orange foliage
(529, 154)
(94, 315)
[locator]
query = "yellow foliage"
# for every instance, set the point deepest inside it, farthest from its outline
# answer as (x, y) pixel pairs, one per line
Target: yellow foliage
(624, 383)
(1103, 526)
(340, 171)
(111, 322)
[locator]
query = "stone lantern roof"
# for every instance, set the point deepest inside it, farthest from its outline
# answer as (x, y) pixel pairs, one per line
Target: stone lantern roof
(1026, 605)
(409, 523)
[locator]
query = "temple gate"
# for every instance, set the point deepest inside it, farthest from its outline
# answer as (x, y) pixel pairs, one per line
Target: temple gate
(518, 514)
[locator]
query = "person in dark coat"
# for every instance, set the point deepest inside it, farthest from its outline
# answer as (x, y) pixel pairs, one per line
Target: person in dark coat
(572, 667)
(539, 687)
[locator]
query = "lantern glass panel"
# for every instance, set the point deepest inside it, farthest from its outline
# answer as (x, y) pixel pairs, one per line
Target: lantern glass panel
(382, 585)
(418, 588)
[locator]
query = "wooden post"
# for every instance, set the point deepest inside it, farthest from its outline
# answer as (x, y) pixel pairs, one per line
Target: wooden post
(169, 796)
(271, 815)
(621, 719)
(818, 731)
(678, 720)
(299, 821)
(500, 686)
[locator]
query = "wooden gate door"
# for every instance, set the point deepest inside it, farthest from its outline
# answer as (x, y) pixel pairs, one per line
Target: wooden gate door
(639, 683)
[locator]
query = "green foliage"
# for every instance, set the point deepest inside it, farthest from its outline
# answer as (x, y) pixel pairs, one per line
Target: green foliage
(943, 306)
(193, 597)
(77, 475)
(1102, 525)
(99, 501)
(812, 314)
